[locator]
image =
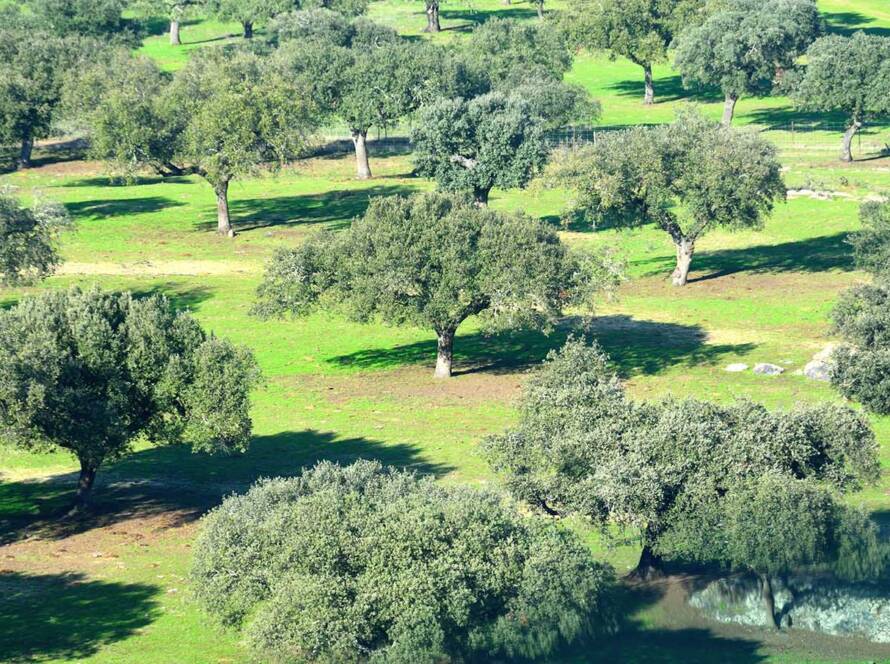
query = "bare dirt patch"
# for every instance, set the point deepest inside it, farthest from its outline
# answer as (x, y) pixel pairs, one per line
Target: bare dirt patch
(158, 268)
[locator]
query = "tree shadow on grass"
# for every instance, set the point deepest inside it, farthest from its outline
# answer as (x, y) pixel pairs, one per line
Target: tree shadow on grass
(846, 23)
(120, 207)
(782, 117)
(183, 296)
(472, 18)
(335, 208)
(45, 154)
(180, 485)
(67, 616)
(636, 347)
(667, 89)
(380, 148)
(140, 180)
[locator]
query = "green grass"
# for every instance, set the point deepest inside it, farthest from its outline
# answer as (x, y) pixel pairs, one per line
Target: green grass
(113, 588)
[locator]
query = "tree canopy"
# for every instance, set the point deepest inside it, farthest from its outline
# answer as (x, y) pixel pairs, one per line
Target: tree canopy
(28, 236)
(745, 45)
(581, 446)
(91, 372)
(223, 116)
(639, 30)
(92, 18)
(434, 261)
(687, 178)
(848, 75)
(361, 563)
(249, 12)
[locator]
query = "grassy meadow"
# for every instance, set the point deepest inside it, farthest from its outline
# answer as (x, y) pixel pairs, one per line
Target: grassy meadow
(112, 588)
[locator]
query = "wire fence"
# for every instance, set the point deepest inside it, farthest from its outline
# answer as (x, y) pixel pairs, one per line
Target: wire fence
(794, 139)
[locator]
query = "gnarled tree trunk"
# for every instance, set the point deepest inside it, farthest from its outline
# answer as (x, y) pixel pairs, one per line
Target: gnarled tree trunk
(650, 565)
(248, 29)
(685, 251)
(174, 32)
(847, 153)
(444, 353)
(223, 223)
(649, 97)
(432, 17)
(84, 485)
(729, 109)
(25, 153)
(540, 10)
(769, 600)
(362, 166)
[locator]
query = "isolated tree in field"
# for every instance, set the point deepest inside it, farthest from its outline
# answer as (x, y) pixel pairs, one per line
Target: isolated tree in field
(473, 146)
(28, 237)
(374, 83)
(33, 66)
(174, 10)
(686, 178)
(745, 46)
(639, 30)
(249, 12)
(774, 526)
(847, 75)
(583, 447)
(359, 562)
(433, 261)
(223, 116)
(91, 372)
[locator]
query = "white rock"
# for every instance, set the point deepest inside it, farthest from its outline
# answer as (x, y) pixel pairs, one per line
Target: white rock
(818, 370)
(824, 355)
(766, 369)
(737, 368)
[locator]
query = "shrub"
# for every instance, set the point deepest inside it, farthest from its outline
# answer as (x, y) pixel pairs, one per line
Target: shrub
(362, 563)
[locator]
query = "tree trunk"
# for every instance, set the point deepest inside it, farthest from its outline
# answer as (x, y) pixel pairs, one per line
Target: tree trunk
(729, 109)
(649, 99)
(25, 153)
(480, 195)
(540, 10)
(769, 600)
(685, 251)
(84, 486)
(223, 223)
(174, 33)
(445, 354)
(248, 29)
(649, 567)
(362, 167)
(432, 18)
(847, 154)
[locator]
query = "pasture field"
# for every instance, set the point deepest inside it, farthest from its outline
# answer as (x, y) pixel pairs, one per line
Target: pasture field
(112, 587)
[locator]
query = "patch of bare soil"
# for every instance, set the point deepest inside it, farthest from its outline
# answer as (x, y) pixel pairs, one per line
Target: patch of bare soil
(158, 268)
(671, 611)
(416, 385)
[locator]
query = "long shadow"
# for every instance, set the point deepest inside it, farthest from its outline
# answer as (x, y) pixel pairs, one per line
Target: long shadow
(781, 118)
(475, 17)
(107, 208)
(846, 23)
(820, 254)
(114, 181)
(181, 485)
(667, 89)
(381, 148)
(636, 347)
(336, 208)
(67, 616)
(183, 296)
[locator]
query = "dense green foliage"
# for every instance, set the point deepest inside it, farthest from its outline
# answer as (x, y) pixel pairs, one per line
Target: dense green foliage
(364, 564)
(849, 75)
(94, 18)
(639, 30)
(871, 245)
(249, 12)
(582, 447)
(223, 116)
(745, 45)
(91, 372)
(687, 178)
(28, 250)
(434, 261)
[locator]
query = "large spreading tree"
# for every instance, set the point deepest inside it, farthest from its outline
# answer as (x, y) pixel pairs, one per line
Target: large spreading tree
(249, 12)
(581, 446)
(745, 46)
(223, 116)
(433, 261)
(848, 75)
(639, 30)
(28, 250)
(362, 563)
(686, 178)
(92, 372)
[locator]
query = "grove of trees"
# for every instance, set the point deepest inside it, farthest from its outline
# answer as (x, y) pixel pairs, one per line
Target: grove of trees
(686, 178)
(90, 372)
(361, 563)
(433, 261)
